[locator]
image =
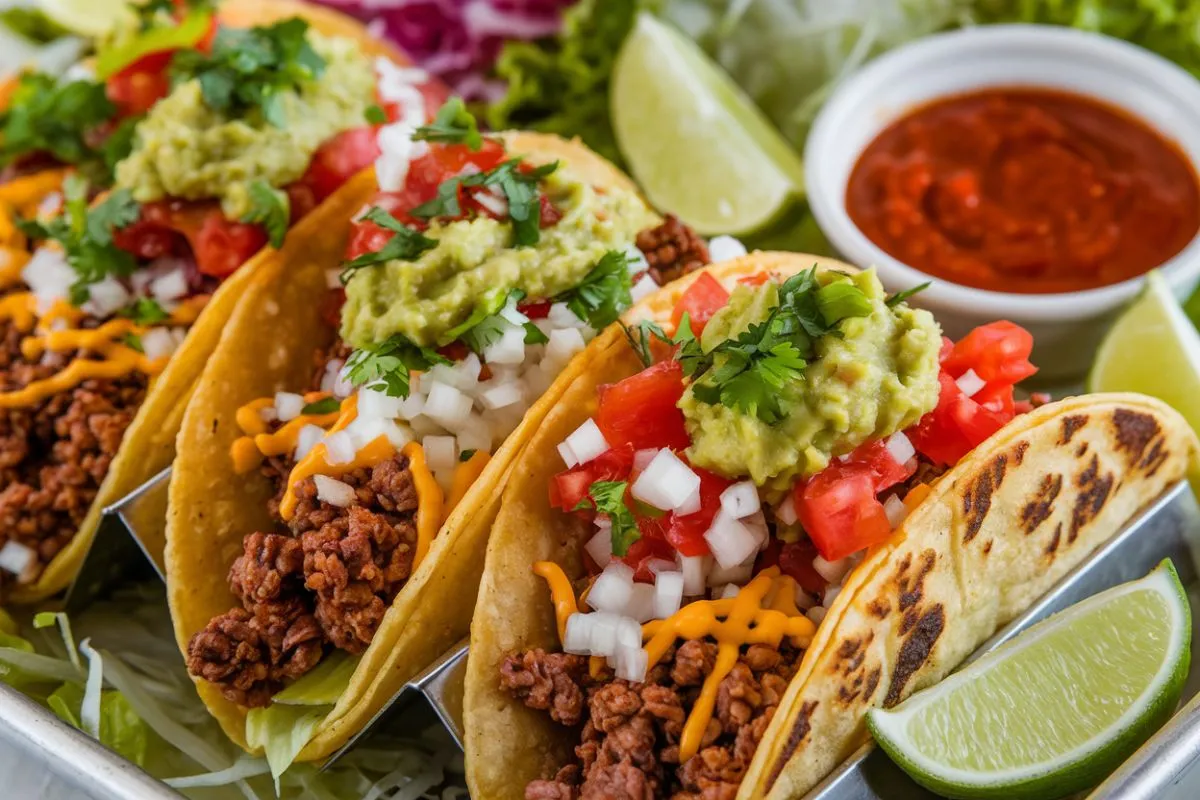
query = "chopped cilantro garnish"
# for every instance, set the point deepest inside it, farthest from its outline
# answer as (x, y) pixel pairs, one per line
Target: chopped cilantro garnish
(747, 373)
(146, 311)
(86, 235)
(454, 124)
(270, 208)
(466, 455)
(519, 188)
(45, 115)
(375, 115)
(608, 497)
(896, 299)
(132, 340)
(407, 244)
(119, 144)
(326, 405)
(604, 292)
(391, 362)
(534, 334)
(251, 69)
(641, 334)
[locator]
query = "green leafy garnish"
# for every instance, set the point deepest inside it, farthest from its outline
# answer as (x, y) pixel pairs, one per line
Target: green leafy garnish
(466, 455)
(252, 69)
(896, 299)
(326, 405)
(391, 362)
(86, 235)
(519, 188)
(146, 311)
(133, 341)
(57, 118)
(407, 244)
(270, 208)
(375, 115)
(641, 334)
(119, 144)
(453, 125)
(604, 292)
(608, 497)
(534, 334)
(748, 373)
(32, 24)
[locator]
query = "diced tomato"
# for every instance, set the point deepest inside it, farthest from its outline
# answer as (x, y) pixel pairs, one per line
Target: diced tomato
(455, 351)
(686, 533)
(222, 245)
(958, 424)
(548, 215)
(642, 552)
(442, 161)
(339, 159)
(301, 200)
(569, 487)
(840, 512)
(331, 307)
(757, 279)
(641, 411)
(705, 297)
(535, 309)
(137, 87)
(366, 236)
(434, 94)
(796, 559)
(998, 352)
(147, 238)
(878, 460)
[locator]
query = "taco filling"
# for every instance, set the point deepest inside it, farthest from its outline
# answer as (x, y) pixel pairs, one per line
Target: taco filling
(94, 313)
(469, 283)
(777, 433)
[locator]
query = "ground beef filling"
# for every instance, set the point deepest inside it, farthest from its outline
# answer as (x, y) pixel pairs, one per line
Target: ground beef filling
(54, 455)
(672, 250)
(323, 579)
(629, 744)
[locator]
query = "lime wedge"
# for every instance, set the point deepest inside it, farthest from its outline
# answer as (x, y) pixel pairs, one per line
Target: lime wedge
(90, 18)
(1055, 710)
(1152, 348)
(696, 144)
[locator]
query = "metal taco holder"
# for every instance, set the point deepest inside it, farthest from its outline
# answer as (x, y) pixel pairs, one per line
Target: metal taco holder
(44, 757)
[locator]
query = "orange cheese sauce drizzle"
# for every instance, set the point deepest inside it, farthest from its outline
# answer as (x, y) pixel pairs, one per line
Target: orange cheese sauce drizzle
(763, 612)
(247, 452)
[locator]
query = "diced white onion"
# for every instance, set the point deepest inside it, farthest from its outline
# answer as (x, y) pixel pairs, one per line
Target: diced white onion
(723, 248)
(816, 614)
(896, 510)
(48, 276)
(629, 631)
(729, 590)
(447, 406)
(587, 442)
(666, 483)
(900, 447)
(335, 492)
(832, 571)
(412, 407)
(564, 344)
(740, 500)
(730, 541)
(307, 439)
(668, 593)
(602, 640)
(831, 594)
(631, 664)
(501, 395)
(738, 573)
(636, 260)
(171, 286)
(342, 387)
(288, 405)
(645, 287)
(496, 205)
(804, 600)
(970, 383)
(269, 414)
(373, 404)
(440, 452)
(691, 505)
(339, 448)
(599, 547)
(396, 151)
(508, 349)
(612, 588)
(560, 316)
(106, 297)
(16, 557)
(567, 454)
(657, 565)
(695, 573)
(475, 434)
(577, 637)
(365, 430)
(158, 343)
(785, 512)
(641, 603)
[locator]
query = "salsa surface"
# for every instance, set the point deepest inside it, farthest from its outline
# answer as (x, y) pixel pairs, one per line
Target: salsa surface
(1025, 190)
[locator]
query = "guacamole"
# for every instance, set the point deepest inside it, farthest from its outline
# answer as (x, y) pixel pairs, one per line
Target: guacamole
(879, 377)
(185, 149)
(423, 299)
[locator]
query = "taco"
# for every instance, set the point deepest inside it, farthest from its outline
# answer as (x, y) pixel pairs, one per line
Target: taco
(133, 209)
(776, 499)
(345, 449)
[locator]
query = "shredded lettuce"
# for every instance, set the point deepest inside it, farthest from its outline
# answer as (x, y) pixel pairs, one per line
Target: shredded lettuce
(323, 686)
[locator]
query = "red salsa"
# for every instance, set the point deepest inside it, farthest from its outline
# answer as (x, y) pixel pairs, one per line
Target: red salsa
(1025, 190)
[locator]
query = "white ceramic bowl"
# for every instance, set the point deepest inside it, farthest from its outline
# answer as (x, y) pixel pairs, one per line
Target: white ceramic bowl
(1067, 327)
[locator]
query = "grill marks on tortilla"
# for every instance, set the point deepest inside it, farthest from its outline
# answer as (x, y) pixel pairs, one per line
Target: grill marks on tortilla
(1155, 458)
(911, 588)
(1134, 431)
(915, 652)
(1019, 452)
(1094, 490)
(1052, 548)
(800, 730)
(852, 654)
(1041, 505)
(977, 499)
(1070, 425)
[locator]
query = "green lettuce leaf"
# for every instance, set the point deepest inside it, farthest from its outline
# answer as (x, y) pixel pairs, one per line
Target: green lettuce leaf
(282, 731)
(324, 685)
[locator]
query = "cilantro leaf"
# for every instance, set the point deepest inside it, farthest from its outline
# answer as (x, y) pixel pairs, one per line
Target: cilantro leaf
(391, 362)
(520, 190)
(133, 341)
(250, 69)
(118, 145)
(608, 497)
(454, 124)
(118, 210)
(534, 334)
(604, 292)
(57, 118)
(645, 331)
(896, 299)
(146, 311)
(326, 405)
(466, 455)
(270, 208)
(375, 115)
(490, 304)
(407, 245)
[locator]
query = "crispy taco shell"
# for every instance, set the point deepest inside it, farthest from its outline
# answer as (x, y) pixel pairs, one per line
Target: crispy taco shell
(149, 442)
(269, 346)
(997, 531)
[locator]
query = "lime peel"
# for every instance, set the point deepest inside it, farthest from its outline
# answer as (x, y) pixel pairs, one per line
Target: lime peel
(935, 734)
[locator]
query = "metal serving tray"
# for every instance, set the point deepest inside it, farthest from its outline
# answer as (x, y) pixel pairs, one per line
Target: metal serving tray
(42, 757)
